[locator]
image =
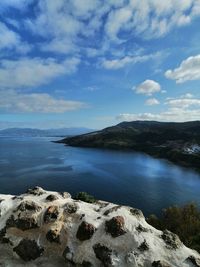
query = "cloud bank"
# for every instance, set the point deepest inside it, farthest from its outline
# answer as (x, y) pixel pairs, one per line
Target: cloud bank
(11, 101)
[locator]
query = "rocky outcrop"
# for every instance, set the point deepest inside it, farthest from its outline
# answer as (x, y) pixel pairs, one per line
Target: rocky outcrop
(104, 254)
(28, 250)
(116, 226)
(172, 241)
(47, 229)
(85, 231)
(195, 261)
(51, 214)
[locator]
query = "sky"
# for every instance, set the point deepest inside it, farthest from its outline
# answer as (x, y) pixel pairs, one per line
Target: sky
(96, 63)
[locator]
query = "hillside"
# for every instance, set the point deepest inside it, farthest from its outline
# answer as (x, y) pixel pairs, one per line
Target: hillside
(177, 142)
(41, 228)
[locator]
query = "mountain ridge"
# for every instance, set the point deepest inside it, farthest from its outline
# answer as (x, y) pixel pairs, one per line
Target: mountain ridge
(44, 132)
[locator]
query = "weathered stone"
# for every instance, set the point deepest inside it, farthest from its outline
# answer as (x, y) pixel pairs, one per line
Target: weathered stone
(53, 235)
(28, 250)
(2, 235)
(104, 254)
(131, 259)
(65, 195)
(172, 240)
(86, 264)
(140, 229)
(115, 226)
(23, 223)
(82, 216)
(136, 212)
(68, 255)
(108, 211)
(29, 205)
(51, 214)
(17, 197)
(160, 264)
(144, 246)
(85, 231)
(102, 204)
(70, 208)
(37, 191)
(194, 261)
(51, 197)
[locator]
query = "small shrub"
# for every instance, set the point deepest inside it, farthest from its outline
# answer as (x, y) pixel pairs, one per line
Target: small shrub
(83, 196)
(183, 221)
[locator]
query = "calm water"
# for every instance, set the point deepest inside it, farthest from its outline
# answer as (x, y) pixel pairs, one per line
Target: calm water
(127, 178)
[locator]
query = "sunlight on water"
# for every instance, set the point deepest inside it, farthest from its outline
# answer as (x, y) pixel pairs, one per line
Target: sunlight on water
(134, 179)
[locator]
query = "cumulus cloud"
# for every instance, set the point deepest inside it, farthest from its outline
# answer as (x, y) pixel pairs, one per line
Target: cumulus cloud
(152, 102)
(184, 108)
(183, 102)
(28, 72)
(172, 115)
(188, 70)
(147, 87)
(12, 101)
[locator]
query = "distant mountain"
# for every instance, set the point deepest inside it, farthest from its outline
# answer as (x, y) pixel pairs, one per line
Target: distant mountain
(22, 132)
(177, 142)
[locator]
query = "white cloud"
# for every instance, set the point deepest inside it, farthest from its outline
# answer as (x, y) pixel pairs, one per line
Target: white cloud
(67, 23)
(11, 40)
(60, 45)
(173, 115)
(152, 102)
(60, 22)
(140, 116)
(27, 72)
(19, 4)
(188, 70)
(148, 88)
(11, 101)
(122, 62)
(187, 95)
(84, 8)
(150, 18)
(118, 19)
(183, 102)
(178, 109)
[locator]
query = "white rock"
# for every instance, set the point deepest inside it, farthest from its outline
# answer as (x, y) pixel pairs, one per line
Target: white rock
(119, 251)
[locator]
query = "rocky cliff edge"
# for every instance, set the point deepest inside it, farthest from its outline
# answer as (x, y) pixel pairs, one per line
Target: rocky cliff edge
(42, 228)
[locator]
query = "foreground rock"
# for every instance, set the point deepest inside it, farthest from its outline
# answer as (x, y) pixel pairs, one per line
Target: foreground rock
(42, 228)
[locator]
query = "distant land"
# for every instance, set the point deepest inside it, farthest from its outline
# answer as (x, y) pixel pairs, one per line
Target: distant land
(60, 132)
(177, 142)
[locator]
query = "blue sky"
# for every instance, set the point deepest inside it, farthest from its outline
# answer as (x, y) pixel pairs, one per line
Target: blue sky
(94, 63)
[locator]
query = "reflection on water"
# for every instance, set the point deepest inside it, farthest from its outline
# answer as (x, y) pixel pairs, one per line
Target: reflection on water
(127, 178)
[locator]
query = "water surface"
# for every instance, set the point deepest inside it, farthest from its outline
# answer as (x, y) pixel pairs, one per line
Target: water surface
(128, 178)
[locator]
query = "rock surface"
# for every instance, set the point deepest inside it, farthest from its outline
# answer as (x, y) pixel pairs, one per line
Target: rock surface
(38, 230)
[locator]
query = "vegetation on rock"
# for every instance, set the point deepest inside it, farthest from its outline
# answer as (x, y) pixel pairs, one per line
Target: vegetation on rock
(83, 196)
(183, 221)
